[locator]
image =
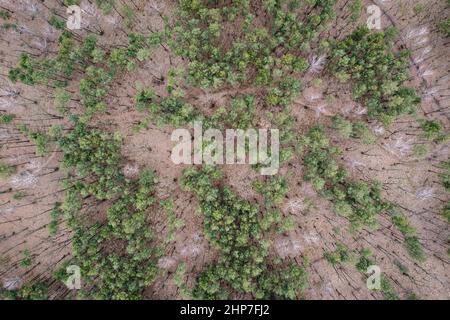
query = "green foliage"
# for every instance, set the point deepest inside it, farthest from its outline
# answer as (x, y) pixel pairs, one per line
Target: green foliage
(62, 98)
(361, 131)
(359, 202)
(19, 195)
(356, 8)
(37, 291)
(284, 93)
(143, 98)
(444, 26)
(41, 140)
(94, 158)
(173, 223)
(361, 260)
(445, 175)
(55, 215)
(287, 225)
(446, 211)
(174, 111)
(232, 226)
(6, 118)
(412, 296)
(128, 14)
(99, 68)
(412, 243)
(57, 22)
(95, 155)
(293, 63)
(319, 163)
(376, 71)
(317, 82)
(401, 222)
(179, 279)
(162, 111)
(273, 189)
(115, 251)
(240, 114)
(364, 261)
(415, 248)
(27, 259)
(402, 268)
(30, 71)
(61, 272)
(283, 283)
(124, 272)
(342, 126)
(127, 221)
(419, 8)
(98, 55)
(208, 286)
(294, 32)
(358, 130)
(341, 255)
(106, 6)
(269, 218)
(315, 140)
(94, 88)
(434, 131)
(6, 170)
(115, 254)
(33, 71)
(5, 15)
(9, 26)
(420, 151)
(199, 37)
(285, 122)
(387, 290)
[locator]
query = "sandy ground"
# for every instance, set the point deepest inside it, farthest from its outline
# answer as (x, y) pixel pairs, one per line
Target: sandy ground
(411, 183)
